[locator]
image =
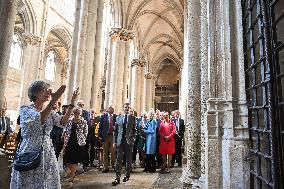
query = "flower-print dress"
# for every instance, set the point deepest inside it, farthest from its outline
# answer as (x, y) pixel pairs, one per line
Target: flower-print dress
(47, 174)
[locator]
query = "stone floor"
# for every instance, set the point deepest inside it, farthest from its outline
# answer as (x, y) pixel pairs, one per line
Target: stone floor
(5, 171)
(94, 179)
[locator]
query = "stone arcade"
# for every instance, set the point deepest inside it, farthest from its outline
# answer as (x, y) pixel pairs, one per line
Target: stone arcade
(221, 63)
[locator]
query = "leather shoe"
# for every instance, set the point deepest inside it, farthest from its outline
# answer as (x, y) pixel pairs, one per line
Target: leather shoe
(105, 171)
(116, 182)
(126, 178)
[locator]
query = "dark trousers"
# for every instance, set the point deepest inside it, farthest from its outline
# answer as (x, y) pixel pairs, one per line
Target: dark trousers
(85, 157)
(123, 148)
(177, 156)
(150, 163)
(134, 152)
(92, 153)
(3, 140)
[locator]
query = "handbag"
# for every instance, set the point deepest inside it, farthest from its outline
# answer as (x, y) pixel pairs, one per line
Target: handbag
(25, 161)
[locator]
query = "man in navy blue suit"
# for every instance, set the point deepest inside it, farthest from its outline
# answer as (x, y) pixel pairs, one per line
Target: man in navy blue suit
(106, 130)
(180, 128)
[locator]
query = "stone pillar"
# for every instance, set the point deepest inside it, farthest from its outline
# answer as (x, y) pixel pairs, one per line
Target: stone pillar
(108, 72)
(183, 103)
(89, 53)
(99, 61)
(120, 72)
(139, 85)
(44, 42)
(235, 145)
(153, 85)
(7, 23)
(133, 86)
(81, 50)
(148, 87)
(31, 53)
(112, 75)
(142, 64)
(126, 75)
(72, 63)
(192, 173)
(116, 72)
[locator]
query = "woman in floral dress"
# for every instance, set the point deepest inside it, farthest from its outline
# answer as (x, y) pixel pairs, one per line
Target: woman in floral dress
(32, 120)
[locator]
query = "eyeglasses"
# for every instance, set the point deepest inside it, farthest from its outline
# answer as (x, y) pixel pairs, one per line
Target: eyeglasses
(76, 113)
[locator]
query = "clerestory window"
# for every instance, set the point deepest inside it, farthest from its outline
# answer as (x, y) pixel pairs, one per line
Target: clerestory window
(50, 68)
(16, 53)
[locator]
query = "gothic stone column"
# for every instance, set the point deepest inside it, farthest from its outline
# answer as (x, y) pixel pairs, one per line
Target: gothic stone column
(7, 23)
(133, 85)
(89, 53)
(99, 61)
(192, 173)
(148, 87)
(125, 37)
(31, 53)
(72, 63)
(80, 59)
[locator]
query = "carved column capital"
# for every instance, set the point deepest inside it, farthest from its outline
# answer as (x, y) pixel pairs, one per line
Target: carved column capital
(31, 39)
(134, 62)
(142, 62)
(150, 75)
(121, 34)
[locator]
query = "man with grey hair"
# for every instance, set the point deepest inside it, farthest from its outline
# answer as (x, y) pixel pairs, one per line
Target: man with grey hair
(106, 130)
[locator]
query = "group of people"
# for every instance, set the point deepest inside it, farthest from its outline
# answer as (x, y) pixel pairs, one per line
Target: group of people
(76, 133)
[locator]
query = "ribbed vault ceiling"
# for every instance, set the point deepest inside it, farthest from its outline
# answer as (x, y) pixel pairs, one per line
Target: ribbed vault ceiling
(158, 24)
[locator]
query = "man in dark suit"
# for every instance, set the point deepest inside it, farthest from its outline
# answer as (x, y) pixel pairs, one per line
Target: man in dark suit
(106, 130)
(93, 123)
(180, 128)
(124, 135)
(5, 127)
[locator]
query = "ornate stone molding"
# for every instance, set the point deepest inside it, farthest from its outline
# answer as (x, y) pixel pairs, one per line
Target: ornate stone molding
(31, 39)
(121, 34)
(148, 75)
(138, 62)
(134, 62)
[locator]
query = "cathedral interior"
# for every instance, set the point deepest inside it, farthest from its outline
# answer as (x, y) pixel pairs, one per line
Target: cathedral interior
(221, 63)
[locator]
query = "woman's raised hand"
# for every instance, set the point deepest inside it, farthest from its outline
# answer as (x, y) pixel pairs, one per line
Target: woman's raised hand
(75, 95)
(57, 94)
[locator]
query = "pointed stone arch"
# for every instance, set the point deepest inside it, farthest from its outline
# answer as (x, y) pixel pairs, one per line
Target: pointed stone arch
(27, 14)
(157, 65)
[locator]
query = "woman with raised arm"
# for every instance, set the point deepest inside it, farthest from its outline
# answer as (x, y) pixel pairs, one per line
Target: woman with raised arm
(36, 123)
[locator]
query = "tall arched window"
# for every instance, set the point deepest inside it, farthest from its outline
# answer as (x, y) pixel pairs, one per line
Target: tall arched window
(50, 68)
(16, 52)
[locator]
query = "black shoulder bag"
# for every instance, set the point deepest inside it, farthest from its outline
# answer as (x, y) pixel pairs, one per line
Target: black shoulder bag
(25, 161)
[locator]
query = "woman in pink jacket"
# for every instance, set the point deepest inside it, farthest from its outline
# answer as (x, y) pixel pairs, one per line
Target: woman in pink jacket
(167, 132)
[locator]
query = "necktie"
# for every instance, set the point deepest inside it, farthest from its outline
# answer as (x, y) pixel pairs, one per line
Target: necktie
(110, 124)
(125, 119)
(3, 125)
(177, 123)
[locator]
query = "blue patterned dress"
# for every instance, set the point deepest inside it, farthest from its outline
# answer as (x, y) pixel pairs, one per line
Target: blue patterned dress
(47, 174)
